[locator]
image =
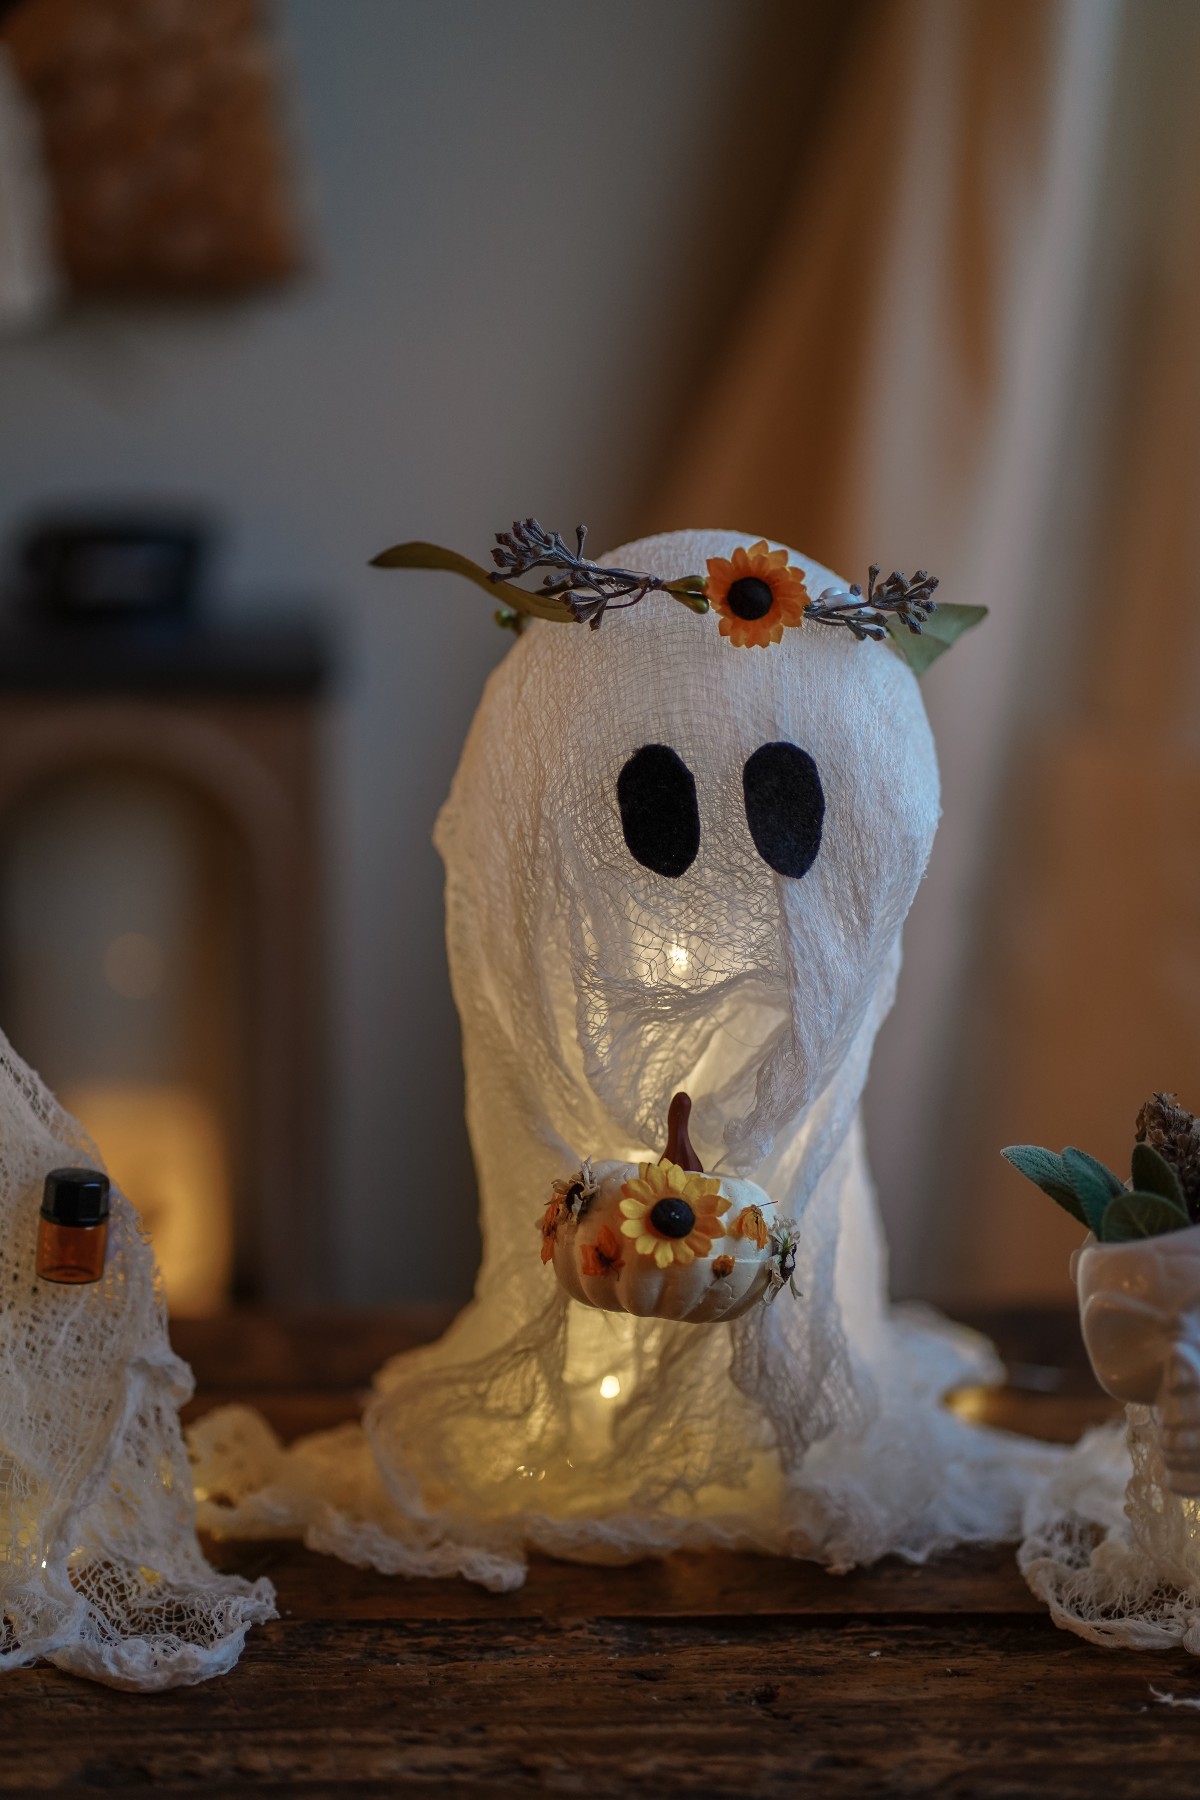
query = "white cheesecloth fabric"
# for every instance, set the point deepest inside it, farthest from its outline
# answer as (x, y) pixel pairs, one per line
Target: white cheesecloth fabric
(1112, 1551)
(100, 1569)
(590, 990)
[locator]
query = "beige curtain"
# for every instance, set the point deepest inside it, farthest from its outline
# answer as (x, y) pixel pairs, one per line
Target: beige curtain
(974, 347)
(28, 280)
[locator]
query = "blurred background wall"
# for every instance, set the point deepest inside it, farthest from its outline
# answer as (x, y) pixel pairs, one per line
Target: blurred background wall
(895, 280)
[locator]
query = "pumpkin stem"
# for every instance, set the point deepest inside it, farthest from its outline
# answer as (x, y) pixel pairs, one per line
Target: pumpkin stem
(679, 1145)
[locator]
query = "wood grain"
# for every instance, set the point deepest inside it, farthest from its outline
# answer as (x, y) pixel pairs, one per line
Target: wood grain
(697, 1675)
(608, 1705)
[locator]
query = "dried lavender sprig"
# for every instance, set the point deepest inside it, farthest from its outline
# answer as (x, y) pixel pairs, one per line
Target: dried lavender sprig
(586, 588)
(866, 616)
(530, 546)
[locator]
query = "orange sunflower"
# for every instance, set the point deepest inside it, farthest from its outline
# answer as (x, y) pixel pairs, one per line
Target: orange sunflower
(671, 1214)
(756, 594)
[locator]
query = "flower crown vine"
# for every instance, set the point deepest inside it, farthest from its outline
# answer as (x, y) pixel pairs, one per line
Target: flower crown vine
(756, 591)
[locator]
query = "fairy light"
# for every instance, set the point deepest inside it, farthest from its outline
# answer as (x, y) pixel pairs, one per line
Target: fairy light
(610, 1387)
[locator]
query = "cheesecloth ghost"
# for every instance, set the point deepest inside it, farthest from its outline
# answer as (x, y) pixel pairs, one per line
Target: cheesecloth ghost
(590, 989)
(100, 1570)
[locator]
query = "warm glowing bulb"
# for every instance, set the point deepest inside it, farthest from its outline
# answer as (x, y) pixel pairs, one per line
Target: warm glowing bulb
(679, 958)
(610, 1387)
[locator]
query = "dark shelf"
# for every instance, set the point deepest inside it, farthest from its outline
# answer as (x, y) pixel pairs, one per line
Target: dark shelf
(289, 658)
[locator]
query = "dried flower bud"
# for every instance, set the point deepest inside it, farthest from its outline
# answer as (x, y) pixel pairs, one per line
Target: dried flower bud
(1175, 1133)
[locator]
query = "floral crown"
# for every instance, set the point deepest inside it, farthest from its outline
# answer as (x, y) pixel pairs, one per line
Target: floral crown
(757, 593)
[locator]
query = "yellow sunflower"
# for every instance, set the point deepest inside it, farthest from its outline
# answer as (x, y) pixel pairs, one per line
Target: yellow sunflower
(672, 1214)
(756, 594)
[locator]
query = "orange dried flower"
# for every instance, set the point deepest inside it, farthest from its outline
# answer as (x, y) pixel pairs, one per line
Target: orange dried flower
(604, 1256)
(722, 1266)
(756, 594)
(556, 1211)
(750, 1223)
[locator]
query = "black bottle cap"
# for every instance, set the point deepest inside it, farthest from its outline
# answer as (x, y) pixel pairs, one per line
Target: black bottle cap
(75, 1197)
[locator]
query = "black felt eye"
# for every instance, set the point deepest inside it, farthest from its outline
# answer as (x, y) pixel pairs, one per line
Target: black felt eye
(785, 807)
(656, 792)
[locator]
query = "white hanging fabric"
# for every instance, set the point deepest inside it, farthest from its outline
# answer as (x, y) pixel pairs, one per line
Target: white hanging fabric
(100, 1568)
(590, 989)
(1110, 1548)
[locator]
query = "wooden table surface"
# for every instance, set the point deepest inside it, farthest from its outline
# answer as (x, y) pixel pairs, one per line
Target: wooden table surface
(702, 1675)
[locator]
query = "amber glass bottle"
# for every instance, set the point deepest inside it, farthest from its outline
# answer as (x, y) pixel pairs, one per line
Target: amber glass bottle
(73, 1228)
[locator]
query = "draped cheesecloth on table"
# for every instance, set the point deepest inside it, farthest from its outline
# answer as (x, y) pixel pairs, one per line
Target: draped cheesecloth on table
(100, 1569)
(590, 989)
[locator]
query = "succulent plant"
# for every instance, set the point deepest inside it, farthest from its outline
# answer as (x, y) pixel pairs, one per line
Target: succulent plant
(1159, 1196)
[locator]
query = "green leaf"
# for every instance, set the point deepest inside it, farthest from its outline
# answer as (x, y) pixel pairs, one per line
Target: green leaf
(942, 629)
(1094, 1184)
(1047, 1171)
(1153, 1174)
(432, 556)
(692, 590)
(1139, 1215)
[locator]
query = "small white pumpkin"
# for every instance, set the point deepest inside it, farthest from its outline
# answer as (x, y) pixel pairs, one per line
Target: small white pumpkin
(633, 1239)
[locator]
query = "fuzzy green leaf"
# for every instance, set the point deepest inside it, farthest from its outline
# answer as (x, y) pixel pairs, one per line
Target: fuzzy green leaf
(1047, 1171)
(1094, 1184)
(433, 556)
(1153, 1174)
(1139, 1215)
(942, 629)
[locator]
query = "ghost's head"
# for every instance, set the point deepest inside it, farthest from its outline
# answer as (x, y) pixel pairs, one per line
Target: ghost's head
(704, 853)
